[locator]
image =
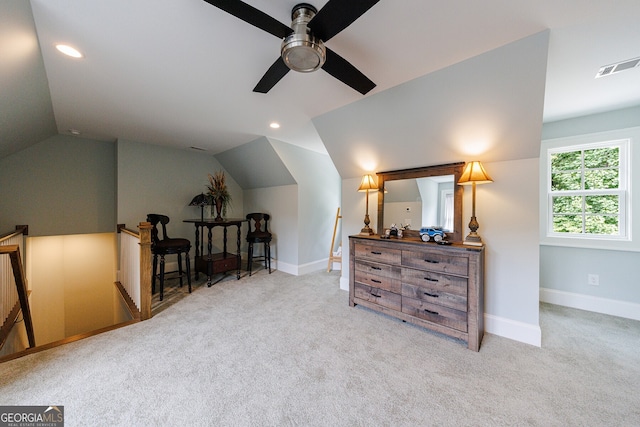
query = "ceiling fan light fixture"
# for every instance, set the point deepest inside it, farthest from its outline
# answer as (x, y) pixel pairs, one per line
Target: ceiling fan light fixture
(301, 51)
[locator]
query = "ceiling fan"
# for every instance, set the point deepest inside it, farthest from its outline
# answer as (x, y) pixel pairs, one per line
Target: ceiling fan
(303, 46)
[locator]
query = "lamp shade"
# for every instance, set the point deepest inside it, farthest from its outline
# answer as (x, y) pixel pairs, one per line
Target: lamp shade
(368, 183)
(200, 200)
(474, 173)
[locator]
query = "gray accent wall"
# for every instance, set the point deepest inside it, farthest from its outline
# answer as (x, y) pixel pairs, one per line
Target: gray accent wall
(256, 165)
(62, 185)
(26, 111)
(154, 179)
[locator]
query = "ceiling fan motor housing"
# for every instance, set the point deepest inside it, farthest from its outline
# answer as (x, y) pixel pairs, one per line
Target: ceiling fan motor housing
(301, 50)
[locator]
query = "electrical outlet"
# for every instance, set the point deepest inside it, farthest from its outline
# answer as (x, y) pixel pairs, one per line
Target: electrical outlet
(593, 279)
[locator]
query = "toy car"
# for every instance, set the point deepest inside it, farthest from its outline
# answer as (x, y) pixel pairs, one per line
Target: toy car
(432, 233)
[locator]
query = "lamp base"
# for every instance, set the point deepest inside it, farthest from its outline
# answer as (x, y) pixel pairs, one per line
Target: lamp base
(473, 239)
(367, 231)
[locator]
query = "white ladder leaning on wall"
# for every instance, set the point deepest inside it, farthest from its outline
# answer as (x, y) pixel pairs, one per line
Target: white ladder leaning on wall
(335, 256)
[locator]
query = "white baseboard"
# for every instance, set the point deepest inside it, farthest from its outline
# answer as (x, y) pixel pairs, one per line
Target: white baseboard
(514, 330)
(296, 270)
(344, 283)
(611, 307)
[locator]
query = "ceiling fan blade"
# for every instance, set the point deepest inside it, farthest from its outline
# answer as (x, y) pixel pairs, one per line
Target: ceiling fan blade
(337, 15)
(253, 16)
(342, 70)
(273, 75)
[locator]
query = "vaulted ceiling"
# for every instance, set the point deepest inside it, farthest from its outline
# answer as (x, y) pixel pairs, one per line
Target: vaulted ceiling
(181, 72)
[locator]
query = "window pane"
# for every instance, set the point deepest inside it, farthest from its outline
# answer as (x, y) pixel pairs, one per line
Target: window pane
(602, 157)
(567, 204)
(601, 179)
(566, 161)
(597, 224)
(608, 204)
(586, 190)
(567, 224)
(562, 181)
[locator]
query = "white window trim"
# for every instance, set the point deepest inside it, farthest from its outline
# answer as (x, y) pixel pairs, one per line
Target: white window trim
(632, 203)
(622, 192)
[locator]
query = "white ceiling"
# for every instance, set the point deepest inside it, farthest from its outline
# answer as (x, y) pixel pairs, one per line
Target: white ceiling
(181, 72)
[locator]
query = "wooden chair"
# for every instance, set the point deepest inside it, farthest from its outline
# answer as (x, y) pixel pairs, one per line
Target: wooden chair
(258, 233)
(167, 246)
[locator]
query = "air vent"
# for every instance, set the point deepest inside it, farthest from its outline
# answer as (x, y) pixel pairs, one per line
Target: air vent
(607, 70)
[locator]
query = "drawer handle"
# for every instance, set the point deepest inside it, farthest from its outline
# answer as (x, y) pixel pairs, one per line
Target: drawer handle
(430, 279)
(377, 296)
(431, 261)
(431, 312)
(431, 295)
(375, 268)
(376, 281)
(376, 253)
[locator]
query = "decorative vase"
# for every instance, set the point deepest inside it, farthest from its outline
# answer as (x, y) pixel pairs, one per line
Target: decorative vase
(218, 204)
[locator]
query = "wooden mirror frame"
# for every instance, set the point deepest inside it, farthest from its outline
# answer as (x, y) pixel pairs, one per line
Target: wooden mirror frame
(454, 169)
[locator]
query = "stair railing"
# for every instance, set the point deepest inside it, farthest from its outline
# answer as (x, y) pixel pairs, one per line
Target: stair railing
(13, 285)
(134, 278)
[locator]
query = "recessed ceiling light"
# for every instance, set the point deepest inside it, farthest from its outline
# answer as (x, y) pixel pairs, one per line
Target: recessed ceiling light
(74, 132)
(274, 125)
(69, 51)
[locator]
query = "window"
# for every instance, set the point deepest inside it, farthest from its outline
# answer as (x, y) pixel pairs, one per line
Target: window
(446, 209)
(588, 191)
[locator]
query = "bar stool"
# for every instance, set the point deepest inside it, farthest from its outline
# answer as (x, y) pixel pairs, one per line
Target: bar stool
(167, 246)
(258, 233)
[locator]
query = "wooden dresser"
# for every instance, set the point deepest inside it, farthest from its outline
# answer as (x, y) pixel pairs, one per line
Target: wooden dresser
(435, 286)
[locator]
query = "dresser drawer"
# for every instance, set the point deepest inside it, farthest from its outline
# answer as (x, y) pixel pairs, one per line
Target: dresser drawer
(378, 254)
(434, 296)
(445, 316)
(436, 281)
(435, 261)
(378, 296)
(368, 276)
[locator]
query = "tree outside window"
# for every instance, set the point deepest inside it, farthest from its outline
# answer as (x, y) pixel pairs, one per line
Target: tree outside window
(588, 190)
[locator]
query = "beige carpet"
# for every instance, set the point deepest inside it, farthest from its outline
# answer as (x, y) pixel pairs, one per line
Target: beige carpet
(279, 350)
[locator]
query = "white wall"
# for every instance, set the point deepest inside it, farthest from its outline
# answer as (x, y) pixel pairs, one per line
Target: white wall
(507, 211)
(282, 204)
(318, 199)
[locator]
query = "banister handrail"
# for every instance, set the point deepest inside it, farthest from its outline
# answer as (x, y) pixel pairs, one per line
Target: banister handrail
(21, 284)
(129, 232)
(20, 229)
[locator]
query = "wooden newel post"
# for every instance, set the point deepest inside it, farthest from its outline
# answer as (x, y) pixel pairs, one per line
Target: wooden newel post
(145, 270)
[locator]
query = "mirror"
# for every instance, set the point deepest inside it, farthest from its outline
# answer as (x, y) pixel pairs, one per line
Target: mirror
(427, 196)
